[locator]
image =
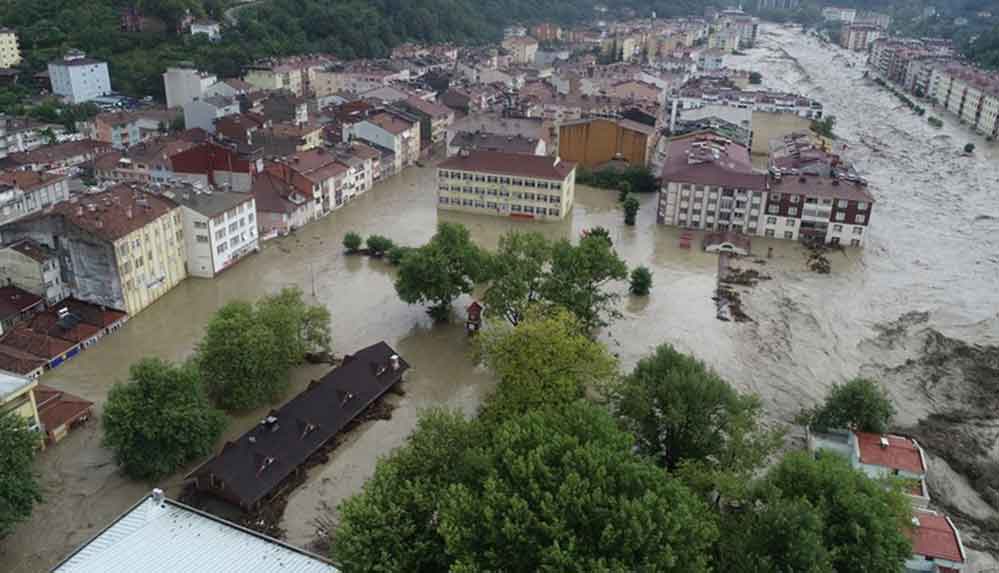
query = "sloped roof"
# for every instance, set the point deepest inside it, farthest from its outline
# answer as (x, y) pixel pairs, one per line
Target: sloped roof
(114, 213)
(540, 167)
(57, 408)
(901, 453)
(14, 300)
(936, 537)
(255, 464)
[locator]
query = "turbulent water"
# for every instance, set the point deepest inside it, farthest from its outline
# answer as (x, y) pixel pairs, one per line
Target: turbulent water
(896, 310)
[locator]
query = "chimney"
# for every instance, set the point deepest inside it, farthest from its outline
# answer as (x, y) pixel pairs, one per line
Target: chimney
(157, 496)
(394, 362)
(884, 443)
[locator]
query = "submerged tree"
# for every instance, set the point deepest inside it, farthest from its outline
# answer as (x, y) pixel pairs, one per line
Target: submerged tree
(441, 271)
(579, 279)
(860, 405)
(518, 270)
(19, 488)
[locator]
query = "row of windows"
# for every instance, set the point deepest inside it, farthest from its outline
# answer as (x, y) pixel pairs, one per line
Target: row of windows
(514, 208)
(483, 192)
(498, 179)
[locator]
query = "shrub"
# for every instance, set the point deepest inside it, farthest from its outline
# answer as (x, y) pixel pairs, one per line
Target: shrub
(379, 245)
(641, 281)
(352, 242)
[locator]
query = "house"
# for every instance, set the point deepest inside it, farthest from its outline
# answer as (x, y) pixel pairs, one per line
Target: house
(317, 174)
(33, 267)
(220, 227)
(392, 131)
(24, 134)
(59, 412)
(487, 141)
(24, 193)
(10, 52)
(936, 545)
(79, 79)
(60, 158)
(122, 248)
(595, 142)
(522, 49)
(210, 28)
(16, 306)
(435, 119)
(281, 207)
(149, 161)
(53, 351)
(879, 456)
(507, 185)
(127, 128)
(252, 468)
(217, 165)
(17, 396)
(184, 84)
(202, 113)
(159, 535)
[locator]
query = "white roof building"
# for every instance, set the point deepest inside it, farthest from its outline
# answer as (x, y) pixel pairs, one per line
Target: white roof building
(159, 535)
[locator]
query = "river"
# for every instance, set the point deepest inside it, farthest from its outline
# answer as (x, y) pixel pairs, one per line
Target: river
(932, 248)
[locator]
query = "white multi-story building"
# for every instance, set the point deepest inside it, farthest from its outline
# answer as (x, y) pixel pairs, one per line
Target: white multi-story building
(202, 113)
(390, 131)
(35, 268)
(10, 52)
(184, 85)
(507, 185)
(79, 79)
(220, 227)
(24, 193)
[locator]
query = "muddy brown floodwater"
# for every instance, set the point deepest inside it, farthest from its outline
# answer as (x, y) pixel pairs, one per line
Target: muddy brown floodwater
(932, 249)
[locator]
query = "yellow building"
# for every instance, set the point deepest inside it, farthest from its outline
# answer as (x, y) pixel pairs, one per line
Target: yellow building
(507, 185)
(17, 396)
(10, 52)
(594, 142)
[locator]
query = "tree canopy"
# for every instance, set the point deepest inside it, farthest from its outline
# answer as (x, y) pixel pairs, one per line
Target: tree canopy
(19, 488)
(160, 419)
(580, 276)
(860, 405)
(518, 270)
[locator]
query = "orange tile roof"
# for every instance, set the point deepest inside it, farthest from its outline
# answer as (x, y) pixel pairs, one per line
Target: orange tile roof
(901, 453)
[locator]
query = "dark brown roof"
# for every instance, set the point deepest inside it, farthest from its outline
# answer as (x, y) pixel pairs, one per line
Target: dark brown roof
(821, 187)
(57, 408)
(272, 194)
(14, 301)
(114, 213)
(28, 180)
(427, 107)
(31, 249)
(38, 344)
(58, 152)
(18, 361)
(97, 315)
(260, 460)
(540, 167)
(390, 123)
(485, 141)
(706, 159)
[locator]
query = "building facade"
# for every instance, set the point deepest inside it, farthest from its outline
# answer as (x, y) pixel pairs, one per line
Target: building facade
(17, 396)
(507, 185)
(859, 37)
(24, 193)
(10, 51)
(35, 268)
(78, 79)
(595, 142)
(185, 84)
(220, 228)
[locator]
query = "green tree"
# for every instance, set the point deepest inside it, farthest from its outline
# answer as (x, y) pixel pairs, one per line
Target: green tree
(302, 328)
(579, 277)
(546, 360)
(864, 521)
(969, 148)
(560, 490)
(441, 271)
(631, 207)
(825, 126)
(160, 420)
(379, 245)
(641, 281)
(860, 405)
(518, 270)
(624, 190)
(396, 254)
(680, 411)
(19, 488)
(352, 242)
(755, 78)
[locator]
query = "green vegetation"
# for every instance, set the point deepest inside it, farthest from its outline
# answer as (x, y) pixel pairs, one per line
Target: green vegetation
(160, 420)
(248, 350)
(352, 242)
(441, 271)
(935, 122)
(19, 488)
(379, 245)
(755, 78)
(631, 207)
(633, 179)
(860, 405)
(824, 126)
(969, 148)
(396, 254)
(519, 269)
(641, 281)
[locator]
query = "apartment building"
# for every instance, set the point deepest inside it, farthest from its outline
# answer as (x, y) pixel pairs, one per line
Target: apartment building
(706, 91)
(522, 49)
(123, 248)
(63, 158)
(281, 207)
(17, 395)
(317, 174)
(10, 51)
(969, 93)
(859, 37)
(146, 162)
(202, 113)
(24, 193)
(507, 185)
(184, 84)
(389, 130)
(19, 134)
(220, 227)
(78, 79)
(35, 268)
(595, 142)
(217, 165)
(435, 119)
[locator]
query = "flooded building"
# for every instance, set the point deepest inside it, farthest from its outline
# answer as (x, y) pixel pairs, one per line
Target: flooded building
(936, 545)
(594, 142)
(487, 141)
(859, 37)
(23, 193)
(122, 248)
(246, 472)
(159, 535)
(828, 210)
(17, 396)
(60, 412)
(16, 306)
(220, 228)
(34, 268)
(507, 185)
(393, 131)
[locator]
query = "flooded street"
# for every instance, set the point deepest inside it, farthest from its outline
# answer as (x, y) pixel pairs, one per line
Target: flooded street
(932, 249)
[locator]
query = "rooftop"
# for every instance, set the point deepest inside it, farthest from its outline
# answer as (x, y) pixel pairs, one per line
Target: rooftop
(58, 152)
(14, 301)
(900, 453)
(935, 536)
(427, 107)
(11, 384)
(705, 158)
(114, 213)
(497, 162)
(487, 141)
(35, 251)
(390, 123)
(208, 203)
(159, 535)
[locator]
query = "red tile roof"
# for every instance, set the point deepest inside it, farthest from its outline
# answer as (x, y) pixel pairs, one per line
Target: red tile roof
(540, 167)
(707, 159)
(901, 453)
(57, 408)
(936, 537)
(28, 180)
(114, 213)
(821, 187)
(390, 123)
(27, 340)
(14, 300)
(430, 108)
(18, 361)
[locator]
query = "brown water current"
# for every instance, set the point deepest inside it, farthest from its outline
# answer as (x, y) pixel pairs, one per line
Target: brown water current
(932, 248)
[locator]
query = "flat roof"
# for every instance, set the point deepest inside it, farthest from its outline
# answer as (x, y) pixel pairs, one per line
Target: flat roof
(899, 453)
(208, 203)
(11, 384)
(159, 535)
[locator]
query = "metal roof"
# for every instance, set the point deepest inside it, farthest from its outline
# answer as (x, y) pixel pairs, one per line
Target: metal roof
(11, 384)
(161, 535)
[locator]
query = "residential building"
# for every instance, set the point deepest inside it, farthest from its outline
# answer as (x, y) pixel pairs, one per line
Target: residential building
(281, 207)
(726, 40)
(882, 21)
(936, 544)
(24, 193)
(743, 24)
(522, 49)
(507, 185)
(859, 37)
(59, 158)
(487, 141)
(149, 161)
(10, 52)
(59, 412)
(159, 535)
(393, 131)
(546, 32)
(216, 165)
(19, 134)
(825, 209)
(247, 471)
(296, 74)
(34, 268)
(777, 5)
(16, 306)
(435, 119)
(704, 91)
(210, 28)
(319, 175)
(184, 84)
(220, 227)
(122, 248)
(17, 396)
(834, 14)
(283, 107)
(202, 113)
(969, 93)
(593, 143)
(78, 79)
(127, 128)
(711, 60)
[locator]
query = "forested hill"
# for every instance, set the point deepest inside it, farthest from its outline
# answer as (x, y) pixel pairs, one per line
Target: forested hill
(348, 28)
